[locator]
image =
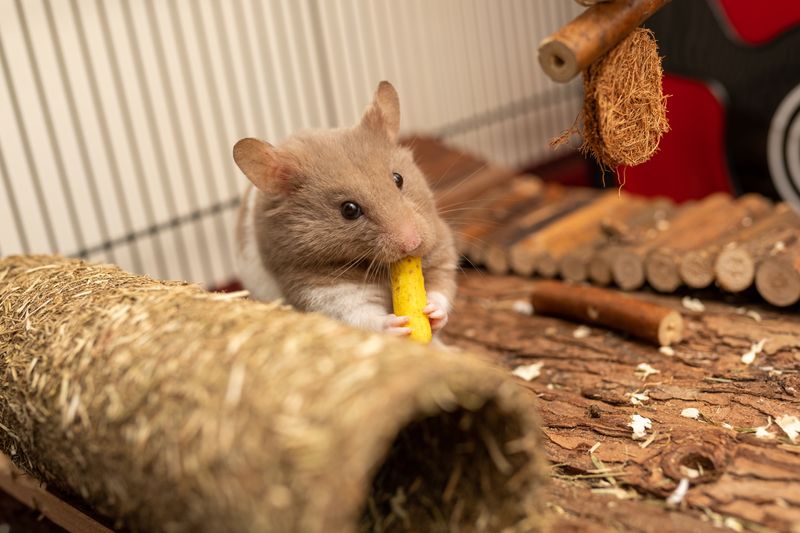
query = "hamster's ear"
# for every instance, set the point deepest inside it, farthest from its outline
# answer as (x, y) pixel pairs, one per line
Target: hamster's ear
(263, 165)
(383, 114)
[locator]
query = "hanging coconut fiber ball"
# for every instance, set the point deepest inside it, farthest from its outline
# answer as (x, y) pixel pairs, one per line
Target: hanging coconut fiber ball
(624, 110)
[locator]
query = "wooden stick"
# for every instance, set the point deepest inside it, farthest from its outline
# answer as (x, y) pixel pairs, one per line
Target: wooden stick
(576, 253)
(557, 202)
(735, 266)
(28, 491)
(627, 266)
(522, 192)
(585, 229)
(662, 266)
(593, 33)
(471, 213)
(648, 321)
(638, 229)
(778, 275)
(538, 250)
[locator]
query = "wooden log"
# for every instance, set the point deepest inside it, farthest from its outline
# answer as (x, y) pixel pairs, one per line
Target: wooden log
(645, 320)
(735, 266)
(778, 275)
(627, 266)
(662, 265)
(696, 267)
(594, 32)
(521, 194)
(641, 227)
(583, 234)
(557, 202)
(541, 250)
(475, 211)
(575, 255)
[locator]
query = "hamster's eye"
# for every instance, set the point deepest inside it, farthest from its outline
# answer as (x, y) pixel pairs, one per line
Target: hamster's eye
(398, 180)
(351, 210)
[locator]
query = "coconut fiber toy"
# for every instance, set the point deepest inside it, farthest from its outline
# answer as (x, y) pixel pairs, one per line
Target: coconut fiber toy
(624, 108)
(168, 408)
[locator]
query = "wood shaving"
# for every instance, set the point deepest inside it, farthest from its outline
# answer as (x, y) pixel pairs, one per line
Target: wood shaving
(581, 332)
(528, 372)
(693, 304)
(755, 349)
(732, 523)
(679, 493)
(762, 433)
(522, 307)
(790, 425)
(667, 350)
(749, 312)
(640, 425)
(691, 412)
(638, 398)
(644, 370)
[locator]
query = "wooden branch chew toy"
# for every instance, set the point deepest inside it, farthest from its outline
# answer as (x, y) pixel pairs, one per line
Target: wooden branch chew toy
(594, 32)
(624, 108)
(648, 321)
(409, 298)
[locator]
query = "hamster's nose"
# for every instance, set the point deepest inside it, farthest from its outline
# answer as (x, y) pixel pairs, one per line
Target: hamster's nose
(408, 238)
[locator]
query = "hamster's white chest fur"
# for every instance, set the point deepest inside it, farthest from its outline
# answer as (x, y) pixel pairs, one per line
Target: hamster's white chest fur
(252, 272)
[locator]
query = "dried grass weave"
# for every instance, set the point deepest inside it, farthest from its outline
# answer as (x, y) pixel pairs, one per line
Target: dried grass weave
(168, 408)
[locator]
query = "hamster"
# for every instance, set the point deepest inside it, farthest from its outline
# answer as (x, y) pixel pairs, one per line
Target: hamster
(328, 211)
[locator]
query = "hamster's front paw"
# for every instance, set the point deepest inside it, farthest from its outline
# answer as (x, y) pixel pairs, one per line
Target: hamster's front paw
(394, 325)
(437, 315)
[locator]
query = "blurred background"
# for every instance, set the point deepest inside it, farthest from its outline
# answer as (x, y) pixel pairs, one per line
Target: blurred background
(118, 116)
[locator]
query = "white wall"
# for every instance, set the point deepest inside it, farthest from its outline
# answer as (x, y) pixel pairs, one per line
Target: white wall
(117, 116)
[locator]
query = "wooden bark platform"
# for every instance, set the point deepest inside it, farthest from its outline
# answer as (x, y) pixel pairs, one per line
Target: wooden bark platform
(511, 222)
(586, 393)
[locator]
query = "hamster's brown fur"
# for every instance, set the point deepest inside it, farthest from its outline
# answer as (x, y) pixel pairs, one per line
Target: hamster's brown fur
(311, 255)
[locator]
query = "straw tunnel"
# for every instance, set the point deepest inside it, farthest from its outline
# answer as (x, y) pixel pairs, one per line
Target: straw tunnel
(167, 407)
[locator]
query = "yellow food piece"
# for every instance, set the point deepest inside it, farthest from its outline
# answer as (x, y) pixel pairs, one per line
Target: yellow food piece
(409, 298)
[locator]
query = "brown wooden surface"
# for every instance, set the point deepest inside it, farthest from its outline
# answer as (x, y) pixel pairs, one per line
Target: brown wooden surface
(504, 220)
(521, 193)
(662, 266)
(778, 275)
(634, 216)
(536, 251)
(628, 265)
(736, 263)
(30, 492)
(584, 394)
(626, 233)
(559, 202)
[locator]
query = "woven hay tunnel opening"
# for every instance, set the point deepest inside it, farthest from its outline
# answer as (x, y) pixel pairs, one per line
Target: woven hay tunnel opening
(457, 471)
(168, 408)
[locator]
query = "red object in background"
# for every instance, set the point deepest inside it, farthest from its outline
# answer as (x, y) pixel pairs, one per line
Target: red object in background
(760, 22)
(691, 161)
